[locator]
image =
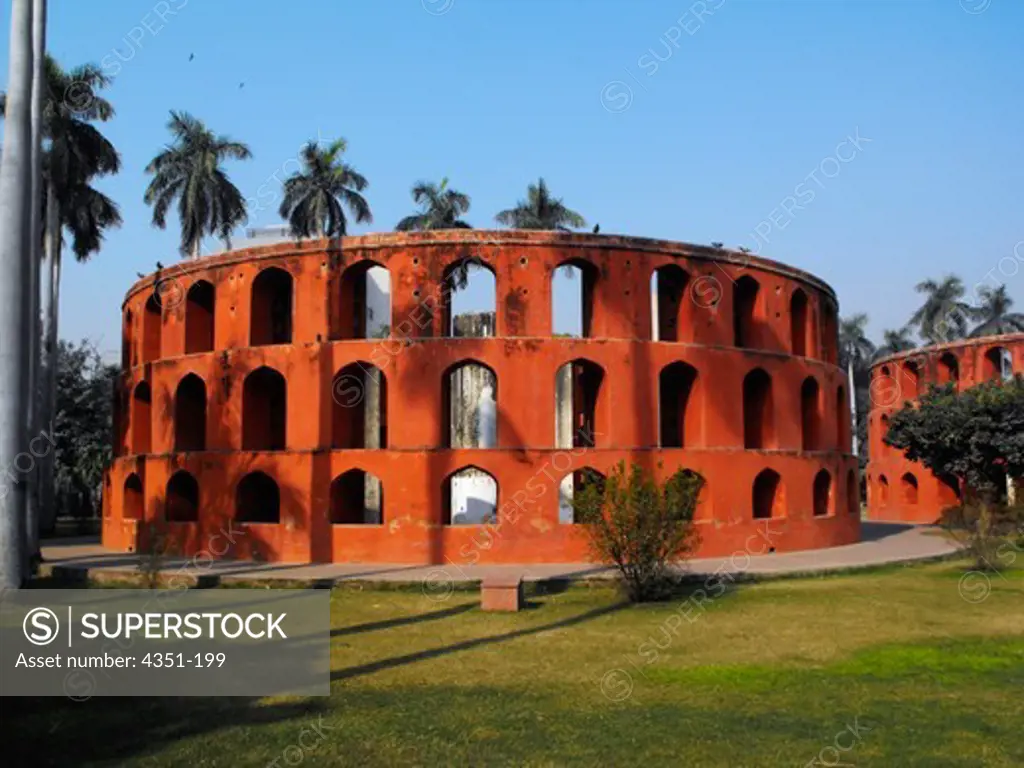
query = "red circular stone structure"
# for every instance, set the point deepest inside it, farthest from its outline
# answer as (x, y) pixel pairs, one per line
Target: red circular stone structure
(242, 424)
(900, 490)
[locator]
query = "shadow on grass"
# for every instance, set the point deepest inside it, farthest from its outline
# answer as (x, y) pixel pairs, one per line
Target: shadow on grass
(58, 731)
(402, 621)
(466, 645)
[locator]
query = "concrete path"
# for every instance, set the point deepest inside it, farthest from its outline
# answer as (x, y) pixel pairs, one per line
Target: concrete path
(883, 543)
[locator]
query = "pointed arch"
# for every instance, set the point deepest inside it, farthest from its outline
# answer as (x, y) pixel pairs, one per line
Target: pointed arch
(798, 323)
(810, 414)
(200, 311)
(908, 489)
(822, 493)
(182, 504)
(469, 298)
(746, 296)
(190, 414)
(133, 503)
(883, 490)
(758, 410)
(359, 407)
(470, 497)
(679, 407)
(469, 404)
(852, 494)
(264, 411)
(363, 308)
(357, 498)
(270, 314)
(579, 404)
(949, 369)
(257, 499)
(573, 484)
(669, 287)
(574, 286)
(142, 418)
(152, 329)
(768, 495)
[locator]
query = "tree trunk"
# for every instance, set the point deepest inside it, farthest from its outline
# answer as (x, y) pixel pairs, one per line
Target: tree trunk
(48, 398)
(35, 246)
(15, 183)
(195, 250)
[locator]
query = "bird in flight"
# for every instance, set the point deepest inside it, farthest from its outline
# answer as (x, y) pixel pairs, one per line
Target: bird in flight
(241, 85)
(191, 56)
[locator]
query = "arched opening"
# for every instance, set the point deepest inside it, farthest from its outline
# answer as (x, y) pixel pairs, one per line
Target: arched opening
(359, 409)
(469, 400)
(134, 504)
(680, 424)
(884, 430)
(257, 499)
(470, 498)
(798, 323)
(199, 317)
(911, 379)
(744, 312)
(883, 490)
(769, 496)
(573, 484)
(577, 404)
(758, 411)
(357, 498)
(908, 487)
(810, 414)
(949, 369)
(829, 333)
(264, 411)
(152, 327)
(469, 299)
(822, 493)
(182, 504)
(364, 306)
(141, 418)
(668, 289)
(949, 491)
(573, 284)
(270, 317)
(852, 494)
(190, 414)
(998, 364)
(842, 420)
(126, 340)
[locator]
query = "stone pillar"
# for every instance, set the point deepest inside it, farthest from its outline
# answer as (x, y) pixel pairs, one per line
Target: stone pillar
(372, 491)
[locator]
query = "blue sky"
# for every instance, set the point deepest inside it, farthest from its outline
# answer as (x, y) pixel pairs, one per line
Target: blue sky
(653, 118)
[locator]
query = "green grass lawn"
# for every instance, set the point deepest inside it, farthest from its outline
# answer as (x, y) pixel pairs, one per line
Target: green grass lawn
(894, 666)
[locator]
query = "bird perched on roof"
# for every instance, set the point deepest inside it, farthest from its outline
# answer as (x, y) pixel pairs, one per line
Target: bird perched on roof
(597, 229)
(159, 266)
(140, 275)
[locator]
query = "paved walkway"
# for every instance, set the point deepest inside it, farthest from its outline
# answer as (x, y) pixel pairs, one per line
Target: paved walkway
(883, 543)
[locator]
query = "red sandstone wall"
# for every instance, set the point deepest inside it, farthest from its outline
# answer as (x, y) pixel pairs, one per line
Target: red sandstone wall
(524, 357)
(891, 495)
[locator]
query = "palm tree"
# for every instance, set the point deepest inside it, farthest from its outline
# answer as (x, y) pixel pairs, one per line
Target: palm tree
(894, 342)
(944, 315)
(189, 171)
(441, 208)
(77, 153)
(315, 198)
(853, 341)
(995, 315)
(540, 211)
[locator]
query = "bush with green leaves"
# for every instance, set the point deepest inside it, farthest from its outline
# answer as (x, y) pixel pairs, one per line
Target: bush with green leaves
(974, 439)
(640, 525)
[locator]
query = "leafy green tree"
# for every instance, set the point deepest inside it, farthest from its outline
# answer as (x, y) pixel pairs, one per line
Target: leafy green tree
(190, 171)
(639, 525)
(315, 197)
(540, 211)
(975, 436)
(995, 315)
(82, 427)
(440, 208)
(894, 342)
(944, 316)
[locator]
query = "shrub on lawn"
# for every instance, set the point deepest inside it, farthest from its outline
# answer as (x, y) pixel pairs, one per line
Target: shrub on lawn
(985, 530)
(640, 525)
